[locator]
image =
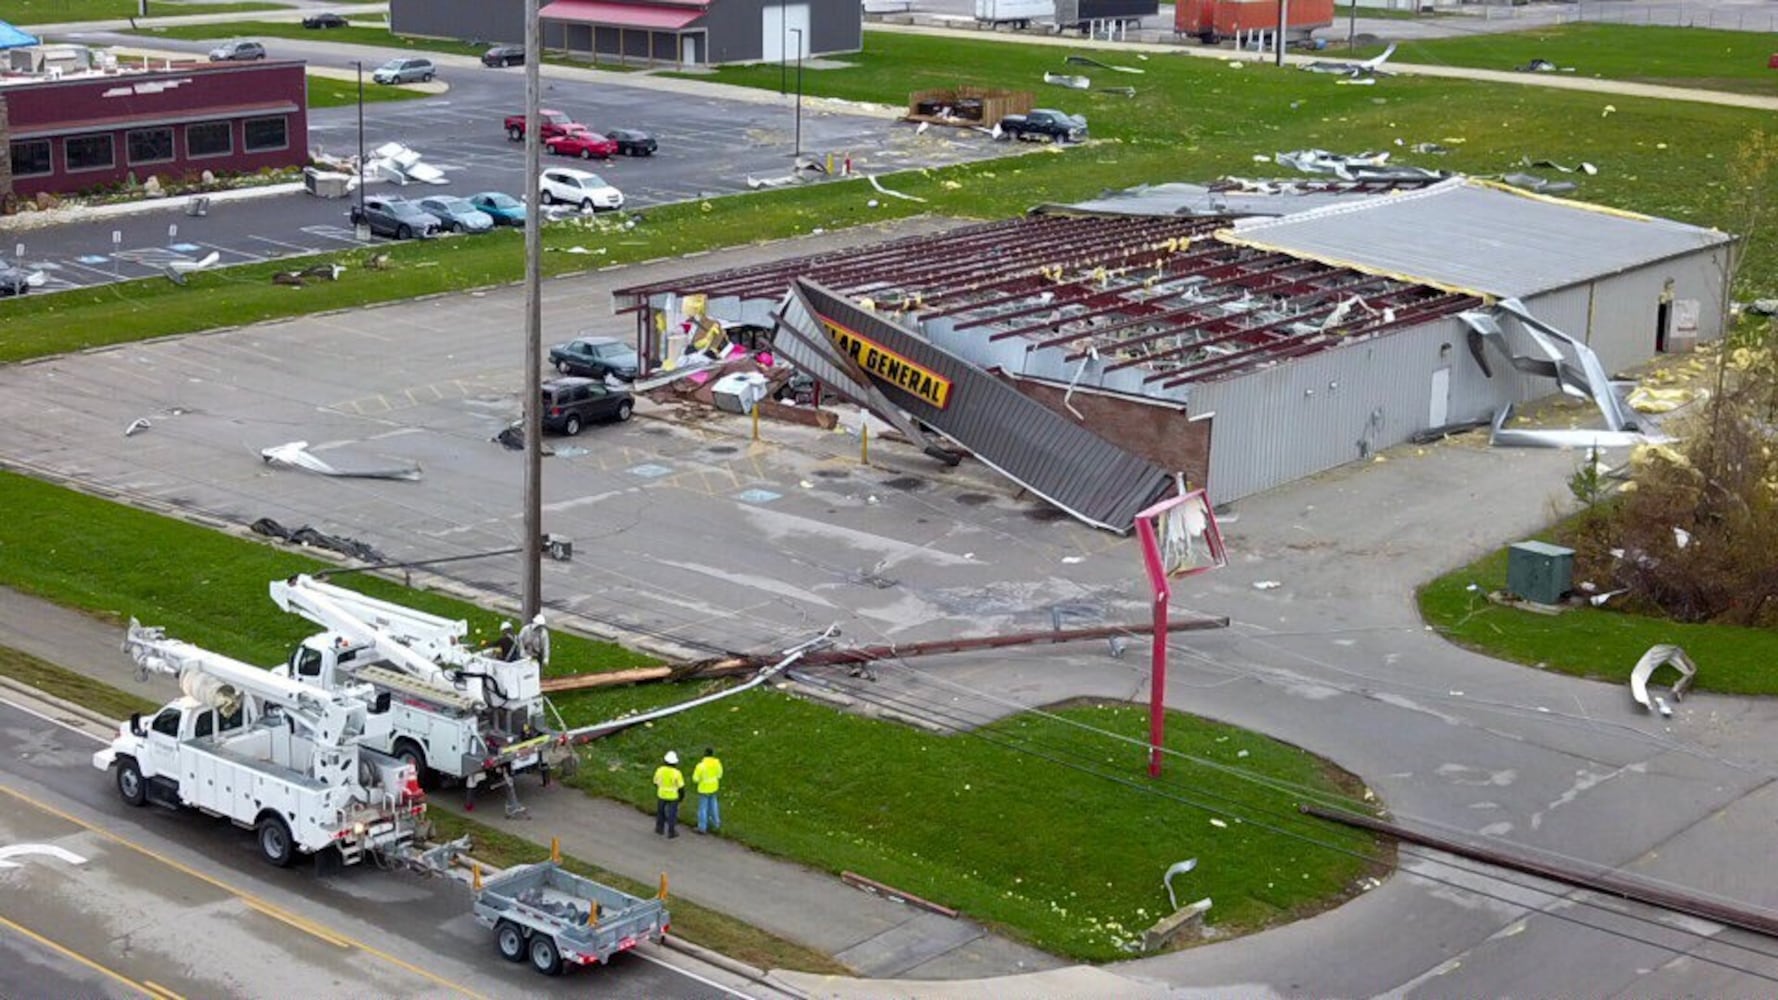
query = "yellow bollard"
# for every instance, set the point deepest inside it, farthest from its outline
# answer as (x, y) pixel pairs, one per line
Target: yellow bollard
(863, 444)
(475, 876)
(830, 164)
(555, 850)
(592, 914)
(756, 422)
(663, 893)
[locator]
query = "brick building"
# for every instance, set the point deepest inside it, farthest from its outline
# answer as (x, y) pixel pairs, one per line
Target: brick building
(66, 133)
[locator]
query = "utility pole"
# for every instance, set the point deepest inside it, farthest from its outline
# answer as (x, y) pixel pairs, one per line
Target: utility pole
(531, 588)
(799, 93)
(1283, 18)
(360, 66)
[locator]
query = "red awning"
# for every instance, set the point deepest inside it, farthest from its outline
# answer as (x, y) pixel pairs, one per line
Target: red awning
(622, 15)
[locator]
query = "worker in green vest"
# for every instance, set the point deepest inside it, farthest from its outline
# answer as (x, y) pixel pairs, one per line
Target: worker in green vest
(669, 785)
(708, 777)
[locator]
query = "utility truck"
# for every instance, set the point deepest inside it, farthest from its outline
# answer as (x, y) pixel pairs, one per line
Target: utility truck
(454, 711)
(276, 756)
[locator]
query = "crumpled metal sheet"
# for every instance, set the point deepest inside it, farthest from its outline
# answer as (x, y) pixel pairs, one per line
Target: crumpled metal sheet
(1657, 657)
(1354, 166)
(296, 455)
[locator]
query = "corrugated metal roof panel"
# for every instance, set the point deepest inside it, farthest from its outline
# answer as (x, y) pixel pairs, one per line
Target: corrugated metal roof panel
(1056, 458)
(1470, 235)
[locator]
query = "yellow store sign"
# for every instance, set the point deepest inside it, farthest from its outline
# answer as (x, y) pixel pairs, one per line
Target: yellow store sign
(891, 367)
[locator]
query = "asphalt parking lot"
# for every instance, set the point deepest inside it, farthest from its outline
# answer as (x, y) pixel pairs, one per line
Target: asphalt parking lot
(710, 146)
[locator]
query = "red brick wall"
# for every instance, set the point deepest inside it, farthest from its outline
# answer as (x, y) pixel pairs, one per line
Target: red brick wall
(1161, 434)
(216, 91)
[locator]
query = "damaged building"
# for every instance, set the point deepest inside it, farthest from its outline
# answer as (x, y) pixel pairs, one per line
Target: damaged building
(1241, 351)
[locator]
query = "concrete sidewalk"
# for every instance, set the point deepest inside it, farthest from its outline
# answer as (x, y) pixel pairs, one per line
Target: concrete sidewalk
(880, 939)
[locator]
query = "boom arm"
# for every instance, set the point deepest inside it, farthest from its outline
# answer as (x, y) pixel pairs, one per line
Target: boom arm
(402, 636)
(220, 682)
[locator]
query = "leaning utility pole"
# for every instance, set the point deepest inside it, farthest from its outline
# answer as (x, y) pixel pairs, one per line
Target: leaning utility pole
(531, 586)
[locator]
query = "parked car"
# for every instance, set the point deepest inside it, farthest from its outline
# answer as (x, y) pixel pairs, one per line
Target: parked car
(582, 143)
(566, 186)
(504, 209)
(551, 124)
(405, 71)
(595, 357)
(397, 217)
(325, 21)
(1044, 125)
(504, 55)
(13, 280)
(239, 50)
(631, 142)
(571, 403)
(457, 214)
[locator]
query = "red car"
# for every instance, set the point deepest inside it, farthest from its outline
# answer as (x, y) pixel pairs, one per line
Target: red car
(582, 143)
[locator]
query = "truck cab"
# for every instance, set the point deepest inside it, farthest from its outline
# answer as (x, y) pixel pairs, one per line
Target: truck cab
(158, 738)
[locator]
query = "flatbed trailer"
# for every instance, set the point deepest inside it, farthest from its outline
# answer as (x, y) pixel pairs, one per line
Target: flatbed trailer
(554, 918)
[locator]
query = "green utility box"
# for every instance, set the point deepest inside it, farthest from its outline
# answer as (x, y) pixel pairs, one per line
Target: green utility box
(1539, 572)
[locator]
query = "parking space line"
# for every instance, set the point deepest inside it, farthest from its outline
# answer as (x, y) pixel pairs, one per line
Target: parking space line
(246, 897)
(70, 953)
(293, 246)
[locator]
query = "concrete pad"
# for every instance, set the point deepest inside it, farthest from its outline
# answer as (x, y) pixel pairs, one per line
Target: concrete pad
(923, 937)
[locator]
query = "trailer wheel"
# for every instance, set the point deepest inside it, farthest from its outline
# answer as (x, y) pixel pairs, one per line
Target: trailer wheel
(130, 785)
(544, 956)
(509, 939)
(275, 842)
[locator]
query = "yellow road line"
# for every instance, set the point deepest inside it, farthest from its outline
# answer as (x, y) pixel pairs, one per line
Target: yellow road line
(308, 927)
(67, 952)
(161, 990)
(247, 897)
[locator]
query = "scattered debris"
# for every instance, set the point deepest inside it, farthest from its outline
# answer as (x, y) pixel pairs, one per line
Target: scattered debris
(395, 162)
(1659, 656)
(1648, 399)
(1219, 824)
(1085, 61)
(1352, 167)
(306, 535)
(1537, 185)
(296, 455)
(1542, 66)
(1584, 167)
(1177, 868)
(1267, 584)
(1366, 70)
(1609, 108)
(297, 279)
(1064, 80)
(893, 194)
(1429, 148)
(1170, 926)
(1119, 91)
(178, 269)
(1763, 307)
(137, 426)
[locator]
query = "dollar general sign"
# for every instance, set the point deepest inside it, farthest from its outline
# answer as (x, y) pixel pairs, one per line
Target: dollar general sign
(891, 367)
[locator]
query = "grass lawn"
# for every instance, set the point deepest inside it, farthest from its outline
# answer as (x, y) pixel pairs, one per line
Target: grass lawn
(1592, 642)
(204, 586)
(110, 702)
(1684, 57)
(325, 92)
(1067, 860)
(1665, 158)
(28, 12)
(827, 789)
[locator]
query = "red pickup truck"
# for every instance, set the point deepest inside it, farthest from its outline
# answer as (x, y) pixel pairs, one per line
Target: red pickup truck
(554, 123)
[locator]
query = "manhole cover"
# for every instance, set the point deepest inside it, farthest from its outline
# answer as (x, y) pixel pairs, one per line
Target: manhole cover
(905, 483)
(973, 499)
(723, 449)
(1045, 514)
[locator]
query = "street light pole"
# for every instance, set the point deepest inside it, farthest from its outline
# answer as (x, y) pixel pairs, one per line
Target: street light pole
(531, 590)
(799, 92)
(360, 66)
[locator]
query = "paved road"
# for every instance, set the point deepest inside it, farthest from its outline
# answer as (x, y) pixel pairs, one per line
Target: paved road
(710, 146)
(165, 904)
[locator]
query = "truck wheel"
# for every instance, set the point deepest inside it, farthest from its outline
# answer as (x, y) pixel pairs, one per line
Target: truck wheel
(571, 426)
(510, 941)
(130, 785)
(515, 133)
(275, 842)
(544, 956)
(409, 752)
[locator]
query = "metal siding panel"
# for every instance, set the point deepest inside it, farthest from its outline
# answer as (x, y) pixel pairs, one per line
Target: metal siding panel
(835, 26)
(734, 31)
(479, 20)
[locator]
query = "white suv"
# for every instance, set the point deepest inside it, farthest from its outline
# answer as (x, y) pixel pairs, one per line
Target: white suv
(567, 186)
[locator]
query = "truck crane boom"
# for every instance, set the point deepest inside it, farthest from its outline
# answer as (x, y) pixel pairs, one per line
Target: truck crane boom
(331, 717)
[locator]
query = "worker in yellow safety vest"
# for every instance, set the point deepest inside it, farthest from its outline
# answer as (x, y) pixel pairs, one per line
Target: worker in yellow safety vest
(669, 786)
(708, 777)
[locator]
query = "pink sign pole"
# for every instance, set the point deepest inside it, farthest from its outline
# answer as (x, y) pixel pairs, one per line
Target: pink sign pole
(1193, 545)
(1157, 683)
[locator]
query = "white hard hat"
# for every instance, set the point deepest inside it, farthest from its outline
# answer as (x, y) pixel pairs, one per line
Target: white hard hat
(672, 758)
(506, 626)
(538, 620)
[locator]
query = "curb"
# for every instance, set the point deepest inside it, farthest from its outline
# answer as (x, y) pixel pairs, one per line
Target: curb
(79, 712)
(725, 963)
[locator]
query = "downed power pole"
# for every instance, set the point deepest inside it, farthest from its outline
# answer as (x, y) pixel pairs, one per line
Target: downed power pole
(726, 666)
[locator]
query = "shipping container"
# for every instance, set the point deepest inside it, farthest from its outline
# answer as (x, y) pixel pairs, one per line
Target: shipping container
(1211, 21)
(1081, 13)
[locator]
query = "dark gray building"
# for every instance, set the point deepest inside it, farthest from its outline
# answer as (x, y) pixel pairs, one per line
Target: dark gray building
(685, 32)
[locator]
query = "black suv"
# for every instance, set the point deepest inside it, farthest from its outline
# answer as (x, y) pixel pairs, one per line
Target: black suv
(571, 403)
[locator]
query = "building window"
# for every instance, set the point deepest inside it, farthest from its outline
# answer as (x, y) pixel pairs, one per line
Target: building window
(150, 145)
(209, 139)
(31, 159)
(88, 152)
(265, 133)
